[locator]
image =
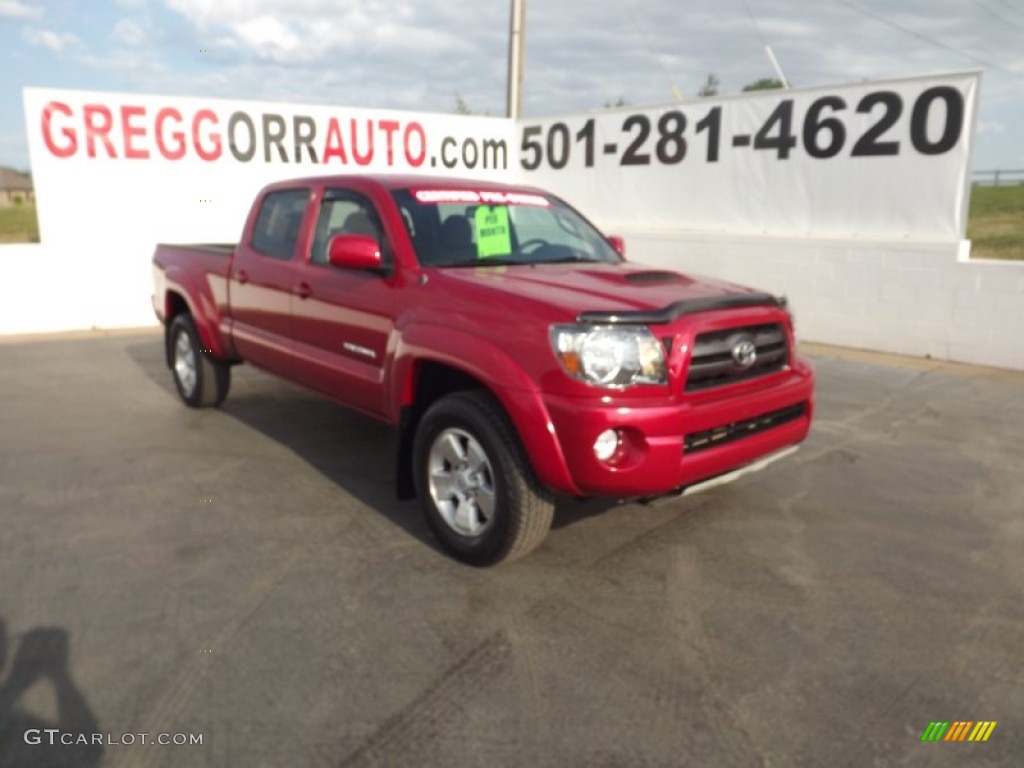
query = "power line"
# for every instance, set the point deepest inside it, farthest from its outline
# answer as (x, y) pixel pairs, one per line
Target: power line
(668, 75)
(925, 38)
(753, 20)
(1001, 18)
(1010, 5)
(767, 48)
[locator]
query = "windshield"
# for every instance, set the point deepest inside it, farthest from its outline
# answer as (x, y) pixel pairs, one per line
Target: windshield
(468, 228)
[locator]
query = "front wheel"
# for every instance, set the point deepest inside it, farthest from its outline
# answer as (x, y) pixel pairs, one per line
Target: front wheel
(475, 486)
(202, 381)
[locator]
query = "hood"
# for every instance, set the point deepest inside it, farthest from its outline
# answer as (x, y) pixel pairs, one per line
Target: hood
(576, 288)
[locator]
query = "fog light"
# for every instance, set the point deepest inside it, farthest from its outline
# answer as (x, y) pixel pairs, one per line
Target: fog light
(606, 445)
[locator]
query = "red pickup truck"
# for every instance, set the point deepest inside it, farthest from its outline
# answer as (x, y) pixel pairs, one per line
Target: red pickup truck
(516, 351)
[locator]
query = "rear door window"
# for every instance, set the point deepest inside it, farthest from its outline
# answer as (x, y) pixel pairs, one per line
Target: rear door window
(278, 223)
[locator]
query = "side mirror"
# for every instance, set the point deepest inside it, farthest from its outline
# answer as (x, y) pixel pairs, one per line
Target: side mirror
(354, 252)
(618, 245)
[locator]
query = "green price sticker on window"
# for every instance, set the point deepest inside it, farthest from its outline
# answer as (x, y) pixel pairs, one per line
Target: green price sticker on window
(493, 237)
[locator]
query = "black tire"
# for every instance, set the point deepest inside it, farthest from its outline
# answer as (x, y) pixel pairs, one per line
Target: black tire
(212, 377)
(520, 512)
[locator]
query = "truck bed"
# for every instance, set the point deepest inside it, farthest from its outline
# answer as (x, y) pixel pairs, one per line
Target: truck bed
(218, 249)
(195, 258)
(199, 271)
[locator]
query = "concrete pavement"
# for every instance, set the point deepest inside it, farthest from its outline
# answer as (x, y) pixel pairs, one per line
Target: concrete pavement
(246, 574)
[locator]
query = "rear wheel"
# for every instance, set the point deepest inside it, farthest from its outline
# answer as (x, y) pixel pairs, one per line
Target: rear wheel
(475, 486)
(202, 381)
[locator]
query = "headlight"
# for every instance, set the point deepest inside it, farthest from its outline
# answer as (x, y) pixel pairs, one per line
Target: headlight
(611, 356)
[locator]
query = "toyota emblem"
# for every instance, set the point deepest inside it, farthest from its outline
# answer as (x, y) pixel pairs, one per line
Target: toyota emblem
(744, 353)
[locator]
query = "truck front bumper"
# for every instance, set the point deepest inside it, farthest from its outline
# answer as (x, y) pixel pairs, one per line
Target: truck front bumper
(667, 447)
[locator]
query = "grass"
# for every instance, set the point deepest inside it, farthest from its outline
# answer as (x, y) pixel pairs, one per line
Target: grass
(995, 224)
(18, 224)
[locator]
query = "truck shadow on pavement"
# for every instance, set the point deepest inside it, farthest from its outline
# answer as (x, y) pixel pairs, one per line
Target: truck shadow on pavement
(41, 655)
(355, 452)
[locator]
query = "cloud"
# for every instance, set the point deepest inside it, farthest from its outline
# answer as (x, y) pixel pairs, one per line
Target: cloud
(13, 9)
(788, 28)
(128, 32)
(13, 144)
(412, 54)
(47, 38)
(990, 127)
(304, 31)
(417, 54)
(141, 67)
(266, 32)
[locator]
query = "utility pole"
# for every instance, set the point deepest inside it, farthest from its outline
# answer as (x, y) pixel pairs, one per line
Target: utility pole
(516, 45)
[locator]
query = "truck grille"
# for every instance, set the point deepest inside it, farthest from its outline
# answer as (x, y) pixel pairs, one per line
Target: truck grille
(710, 438)
(715, 363)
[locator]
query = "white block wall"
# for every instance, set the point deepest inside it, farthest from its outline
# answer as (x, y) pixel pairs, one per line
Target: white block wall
(908, 298)
(46, 288)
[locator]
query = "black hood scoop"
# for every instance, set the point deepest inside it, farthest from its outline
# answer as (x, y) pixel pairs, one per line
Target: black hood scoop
(654, 276)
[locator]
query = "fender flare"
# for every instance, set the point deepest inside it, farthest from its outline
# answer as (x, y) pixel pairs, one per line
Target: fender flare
(205, 316)
(506, 380)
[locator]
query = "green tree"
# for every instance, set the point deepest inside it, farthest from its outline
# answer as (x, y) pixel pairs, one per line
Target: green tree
(764, 84)
(710, 87)
(461, 108)
(619, 102)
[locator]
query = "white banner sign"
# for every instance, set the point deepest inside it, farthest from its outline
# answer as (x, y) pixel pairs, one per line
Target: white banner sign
(883, 160)
(122, 167)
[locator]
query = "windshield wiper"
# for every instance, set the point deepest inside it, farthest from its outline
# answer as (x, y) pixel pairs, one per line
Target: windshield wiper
(493, 261)
(571, 260)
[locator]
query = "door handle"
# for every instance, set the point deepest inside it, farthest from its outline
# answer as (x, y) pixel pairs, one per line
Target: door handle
(242, 276)
(303, 290)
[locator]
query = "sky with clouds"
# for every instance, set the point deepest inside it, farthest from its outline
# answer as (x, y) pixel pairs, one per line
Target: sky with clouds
(580, 54)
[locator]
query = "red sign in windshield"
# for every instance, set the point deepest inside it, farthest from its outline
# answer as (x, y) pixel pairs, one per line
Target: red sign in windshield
(491, 197)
